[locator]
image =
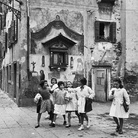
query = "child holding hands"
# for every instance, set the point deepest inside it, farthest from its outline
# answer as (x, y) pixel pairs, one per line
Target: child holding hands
(59, 102)
(71, 105)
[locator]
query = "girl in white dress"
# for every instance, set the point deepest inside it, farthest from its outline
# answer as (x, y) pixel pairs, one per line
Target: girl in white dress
(53, 87)
(117, 93)
(59, 103)
(71, 106)
(83, 92)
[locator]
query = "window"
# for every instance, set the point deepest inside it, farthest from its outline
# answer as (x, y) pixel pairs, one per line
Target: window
(58, 59)
(58, 47)
(105, 31)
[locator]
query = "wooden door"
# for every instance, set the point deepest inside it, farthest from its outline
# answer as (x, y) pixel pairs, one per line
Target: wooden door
(100, 84)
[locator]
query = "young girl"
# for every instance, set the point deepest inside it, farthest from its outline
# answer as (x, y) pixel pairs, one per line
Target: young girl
(117, 93)
(71, 106)
(54, 86)
(83, 92)
(59, 102)
(45, 104)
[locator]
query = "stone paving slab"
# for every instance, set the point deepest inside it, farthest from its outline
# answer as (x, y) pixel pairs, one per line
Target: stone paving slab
(18, 122)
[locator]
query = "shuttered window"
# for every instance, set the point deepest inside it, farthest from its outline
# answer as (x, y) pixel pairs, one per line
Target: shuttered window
(97, 30)
(113, 32)
(9, 37)
(0, 18)
(6, 42)
(12, 36)
(16, 29)
(0, 24)
(12, 32)
(0, 50)
(105, 31)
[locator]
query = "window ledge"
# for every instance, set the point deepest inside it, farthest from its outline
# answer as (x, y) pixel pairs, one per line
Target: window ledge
(106, 1)
(103, 40)
(54, 67)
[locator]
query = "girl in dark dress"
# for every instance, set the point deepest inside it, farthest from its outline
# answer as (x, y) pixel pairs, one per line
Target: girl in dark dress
(45, 104)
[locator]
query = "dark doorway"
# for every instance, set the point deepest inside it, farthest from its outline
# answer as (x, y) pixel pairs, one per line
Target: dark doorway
(14, 77)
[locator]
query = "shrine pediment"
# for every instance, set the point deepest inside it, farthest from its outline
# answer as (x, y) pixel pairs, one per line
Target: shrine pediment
(68, 39)
(57, 24)
(59, 42)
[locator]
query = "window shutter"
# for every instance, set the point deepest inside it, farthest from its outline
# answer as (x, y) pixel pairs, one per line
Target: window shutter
(0, 18)
(9, 37)
(66, 58)
(0, 50)
(0, 8)
(97, 29)
(12, 31)
(3, 21)
(113, 32)
(51, 58)
(6, 41)
(0, 24)
(16, 29)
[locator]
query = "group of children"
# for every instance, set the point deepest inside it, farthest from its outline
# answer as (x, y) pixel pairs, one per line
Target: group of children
(58, 100)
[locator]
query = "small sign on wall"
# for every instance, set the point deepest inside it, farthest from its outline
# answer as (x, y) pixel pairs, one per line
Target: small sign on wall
(34, 74)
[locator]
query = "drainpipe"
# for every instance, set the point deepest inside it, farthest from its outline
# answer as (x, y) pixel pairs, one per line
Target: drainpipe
(28, 39)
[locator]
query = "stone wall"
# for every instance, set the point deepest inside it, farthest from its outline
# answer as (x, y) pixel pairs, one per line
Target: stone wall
(80, 17)
(41, 14)
(131, 72)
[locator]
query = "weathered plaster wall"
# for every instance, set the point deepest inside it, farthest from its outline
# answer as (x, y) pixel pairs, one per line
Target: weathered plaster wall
(80, 17)
(112, 51)
(132, 35)
(69, 74)
(12, 53)
(131, 74)
(73, 19)
(17, 54)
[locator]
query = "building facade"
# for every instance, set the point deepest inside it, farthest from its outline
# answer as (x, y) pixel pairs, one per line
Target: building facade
(68, 39)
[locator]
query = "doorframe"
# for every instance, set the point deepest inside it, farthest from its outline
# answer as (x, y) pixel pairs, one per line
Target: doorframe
(108, 77)
(15, 79)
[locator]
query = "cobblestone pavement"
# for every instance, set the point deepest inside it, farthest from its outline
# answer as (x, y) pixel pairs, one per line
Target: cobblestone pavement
(18, 122)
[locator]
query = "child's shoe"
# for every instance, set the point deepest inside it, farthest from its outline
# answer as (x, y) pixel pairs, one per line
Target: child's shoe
(120, 131)
(79, 124)
(81, 128)
(37, 126)
(88, 126)
(117, 128)
(67, 126)
(52, 124)
(64, 123)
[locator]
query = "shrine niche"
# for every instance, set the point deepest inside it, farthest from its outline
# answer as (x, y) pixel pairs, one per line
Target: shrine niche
(57, 24)
(58, 48)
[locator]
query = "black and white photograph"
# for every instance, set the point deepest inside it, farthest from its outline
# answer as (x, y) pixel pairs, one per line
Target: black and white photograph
(68, 68)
